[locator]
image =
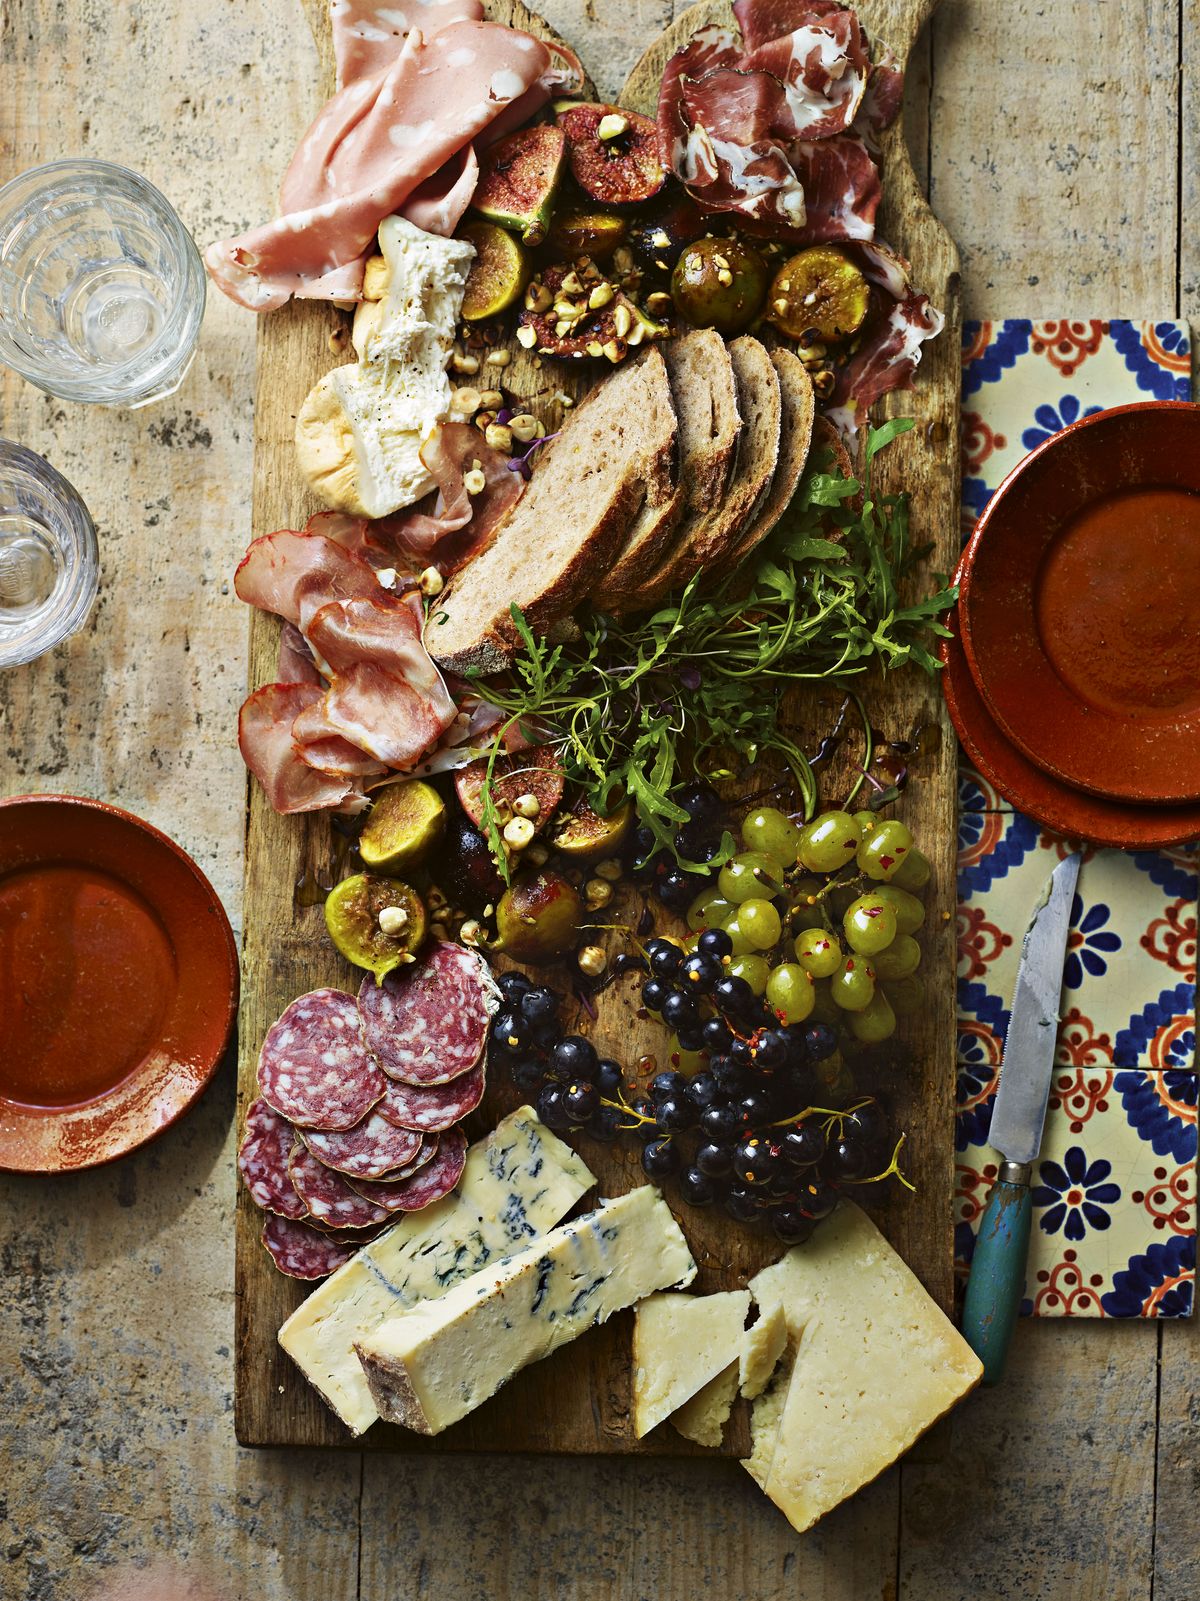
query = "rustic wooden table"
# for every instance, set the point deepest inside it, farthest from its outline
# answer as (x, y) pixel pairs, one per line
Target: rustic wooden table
(1059, 142)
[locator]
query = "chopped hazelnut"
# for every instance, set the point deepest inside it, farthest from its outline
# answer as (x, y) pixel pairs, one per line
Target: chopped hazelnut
(612, 126)
(499, 438)
(526, 336)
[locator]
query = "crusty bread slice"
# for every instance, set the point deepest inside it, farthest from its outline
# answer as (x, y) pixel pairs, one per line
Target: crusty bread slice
(705, 396)
(799, 408)
(706, 538)
(562, 534)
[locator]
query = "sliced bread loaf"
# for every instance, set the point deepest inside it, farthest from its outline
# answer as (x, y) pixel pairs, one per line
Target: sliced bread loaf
(562, 534)
(706, 538)
(795, 438)
(705, 396)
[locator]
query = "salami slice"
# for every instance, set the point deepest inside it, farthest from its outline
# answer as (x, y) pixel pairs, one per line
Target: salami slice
(314, 1068)
(432, 1107)
(433, 1181)
(263, 1161)
(369, 1150)
(327, 1194)
(302, 1252)
(429, 1148)
(427, 1024)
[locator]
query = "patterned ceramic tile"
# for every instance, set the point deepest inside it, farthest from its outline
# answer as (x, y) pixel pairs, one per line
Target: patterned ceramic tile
(1114, 1197)
(1129, 982)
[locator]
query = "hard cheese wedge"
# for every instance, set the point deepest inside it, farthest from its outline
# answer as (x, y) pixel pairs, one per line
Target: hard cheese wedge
(704, 1417)
(872, 1363)
(517, 1183)
(432, 1365)
(762, 1346)
(680, 1343)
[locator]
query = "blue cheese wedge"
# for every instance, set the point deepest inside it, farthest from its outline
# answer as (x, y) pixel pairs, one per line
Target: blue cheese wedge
(432, 1365)
(360, 431)
(681, 1343)
(517, 1183)
(871, 1363)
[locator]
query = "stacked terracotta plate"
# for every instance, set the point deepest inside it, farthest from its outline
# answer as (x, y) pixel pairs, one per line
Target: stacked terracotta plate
(1073, 678)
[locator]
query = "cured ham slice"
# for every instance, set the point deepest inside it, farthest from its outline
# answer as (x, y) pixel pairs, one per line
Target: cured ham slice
(883, 99)
(320, 745)
(841, 189)
(386, 696)
(763, 20)
(370, 148)
(294, 575)
(296, 665)
(889, 348)
(822, 66)
(450, 452)
(270, 752)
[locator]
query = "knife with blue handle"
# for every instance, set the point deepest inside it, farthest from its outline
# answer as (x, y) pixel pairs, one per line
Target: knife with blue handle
(997, 1278)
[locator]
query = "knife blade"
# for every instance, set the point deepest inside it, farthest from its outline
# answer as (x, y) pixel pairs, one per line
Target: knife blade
(1027, 1065)
(997, 1278)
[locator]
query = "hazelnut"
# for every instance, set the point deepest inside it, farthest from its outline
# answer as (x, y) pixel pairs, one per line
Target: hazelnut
(612, 126)
(518, 833)
(464, 364)
(525, 427)
(432, 582)
(622, 321)
(392, 919)
(597, 893)
(472, 932)
(499, 358)
(610, 868)
(527, 805)
(526, 336)
(601, 295)
(499, 438)
(475, 481)
(592, 961)
(466, 401)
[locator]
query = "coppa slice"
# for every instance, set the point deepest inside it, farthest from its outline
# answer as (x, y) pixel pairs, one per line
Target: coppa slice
(562, 534)
(432, 1107)
(314, 1068)
(328, 1196)
(263, 1161)
(517, 1183)
(429, 1023)
(427, 1185)
(302, 1252)
(367, 1151)
(432, 1365)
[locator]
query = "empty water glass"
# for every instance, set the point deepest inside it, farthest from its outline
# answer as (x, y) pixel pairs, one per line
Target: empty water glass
(101, 285)
(49, 563)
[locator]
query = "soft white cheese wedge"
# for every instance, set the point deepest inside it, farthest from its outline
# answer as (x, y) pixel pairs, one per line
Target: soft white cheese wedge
(517, 1184)
(872, 1363)
(680, 1343)
(360, 431)
(704, 1417)
(762, 1346)
(429, 1367)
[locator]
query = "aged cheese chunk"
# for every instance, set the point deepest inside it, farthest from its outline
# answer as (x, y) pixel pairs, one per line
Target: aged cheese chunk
(704, 1417)
(517, 1183)
(360, 431)
(432, 1365)
(680, 1343)
(872, 1364)
(762, 1346)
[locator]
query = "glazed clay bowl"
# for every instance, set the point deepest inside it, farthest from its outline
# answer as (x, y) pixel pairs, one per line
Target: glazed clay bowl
(118, 983)
(1080, 605)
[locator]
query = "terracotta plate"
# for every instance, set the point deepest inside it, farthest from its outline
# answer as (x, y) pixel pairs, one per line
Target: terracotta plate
(1080, 608)
(118, 983)
(1038, 794)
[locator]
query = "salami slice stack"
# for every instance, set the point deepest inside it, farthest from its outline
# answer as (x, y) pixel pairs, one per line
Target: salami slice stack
(355, 1123)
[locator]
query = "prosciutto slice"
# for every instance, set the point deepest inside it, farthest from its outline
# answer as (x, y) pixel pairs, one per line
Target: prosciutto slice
(461, 525)
(270, 752)
(370, 148)
(294, 575)
(822, 68)
(386, 695)
(889, 348)
(841, 186)
(763, 20)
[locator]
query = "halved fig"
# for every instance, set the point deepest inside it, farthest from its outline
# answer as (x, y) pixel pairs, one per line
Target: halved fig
(586, 331)
(613, 153)
(406, 822)
(535, 773)
(719, 283)
(658, 238)
(376, 923)
(498, 274)
(538, 918)
(585, 834)
(819, 294)
(518, 180)
(466, 870)
(587, 233)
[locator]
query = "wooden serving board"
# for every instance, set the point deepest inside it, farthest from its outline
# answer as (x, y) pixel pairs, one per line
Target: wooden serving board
(579, 1401)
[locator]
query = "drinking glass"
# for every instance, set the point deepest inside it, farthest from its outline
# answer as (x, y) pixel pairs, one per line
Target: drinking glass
(49, 562)
(101, 285)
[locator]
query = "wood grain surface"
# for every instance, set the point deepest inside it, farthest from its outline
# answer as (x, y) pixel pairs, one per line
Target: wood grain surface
(580, 1400)
(1060, 143)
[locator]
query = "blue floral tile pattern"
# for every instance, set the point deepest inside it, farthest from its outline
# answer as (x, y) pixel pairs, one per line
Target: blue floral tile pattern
(1115, 1184)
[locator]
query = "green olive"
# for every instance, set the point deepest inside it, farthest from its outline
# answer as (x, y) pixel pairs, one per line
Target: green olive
(719, 283)
(375, 922)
